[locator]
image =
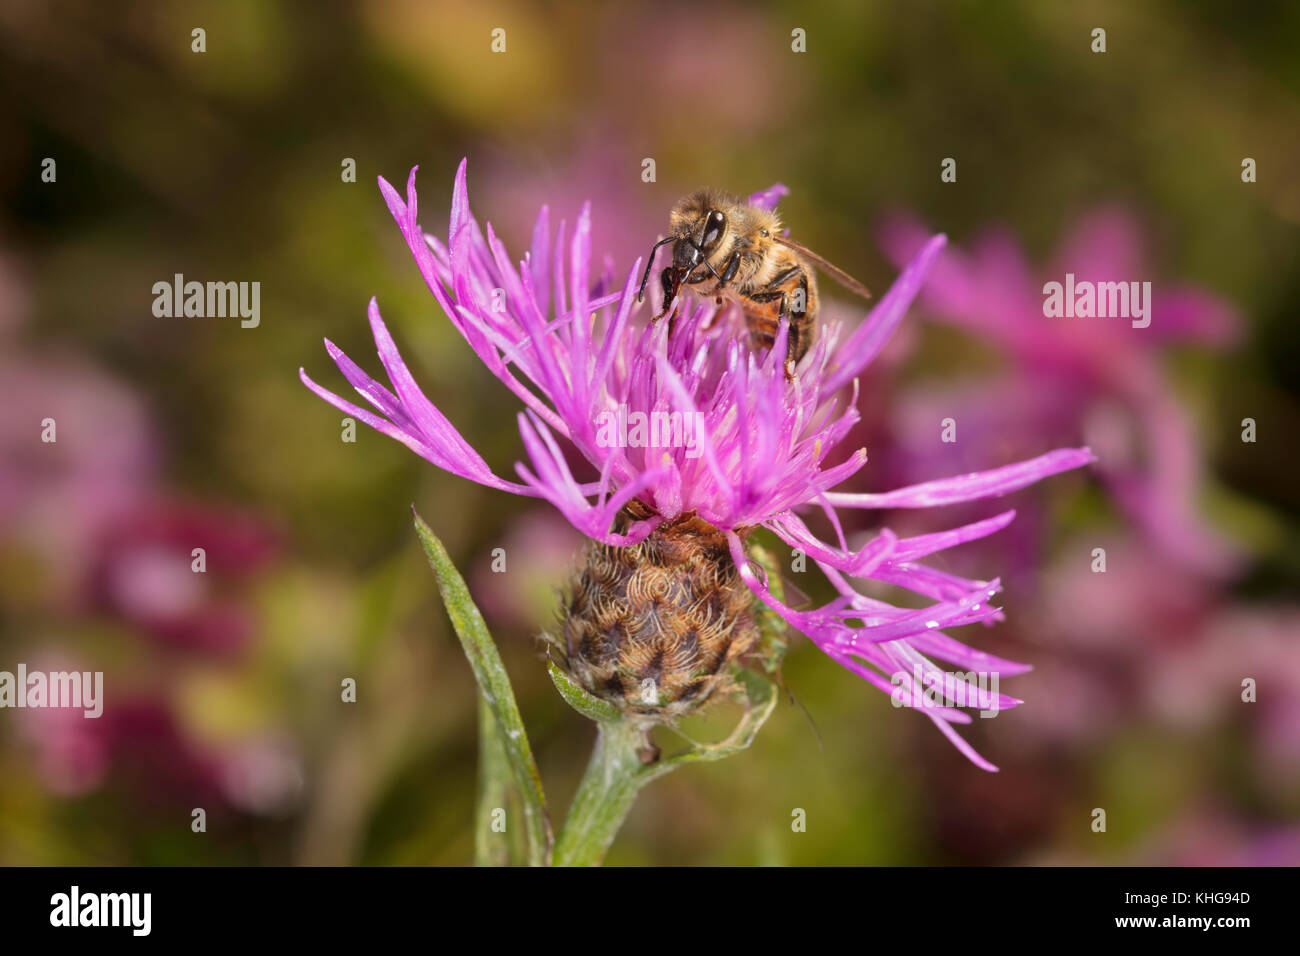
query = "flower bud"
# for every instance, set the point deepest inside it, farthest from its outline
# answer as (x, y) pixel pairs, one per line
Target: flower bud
(652, 628)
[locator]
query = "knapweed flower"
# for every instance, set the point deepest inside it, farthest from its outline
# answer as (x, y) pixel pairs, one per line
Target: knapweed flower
(1099, 375)
(668, 516)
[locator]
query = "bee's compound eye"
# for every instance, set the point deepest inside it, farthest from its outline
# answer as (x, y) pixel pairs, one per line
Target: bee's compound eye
(763, 233)
(713, 228)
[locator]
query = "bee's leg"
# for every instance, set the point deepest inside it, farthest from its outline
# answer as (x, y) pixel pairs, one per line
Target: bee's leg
(795, 345)
(768, 296)
(798, 327)
(731, 268)
(773, 295)
(728, 273)
(792, 338)
(783, 279)
(666, 281)
(793, 350)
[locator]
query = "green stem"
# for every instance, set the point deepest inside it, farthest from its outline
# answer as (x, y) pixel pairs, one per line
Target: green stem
(614, 777)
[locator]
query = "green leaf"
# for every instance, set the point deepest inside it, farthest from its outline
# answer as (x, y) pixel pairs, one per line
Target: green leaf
(495, 689)
(496, 791)
(576, 697)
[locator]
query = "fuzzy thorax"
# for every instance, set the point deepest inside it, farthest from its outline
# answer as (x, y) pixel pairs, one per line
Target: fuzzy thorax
(653, 628)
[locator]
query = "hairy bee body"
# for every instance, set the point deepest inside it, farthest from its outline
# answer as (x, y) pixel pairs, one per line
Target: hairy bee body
(749, 265)
(727, 249)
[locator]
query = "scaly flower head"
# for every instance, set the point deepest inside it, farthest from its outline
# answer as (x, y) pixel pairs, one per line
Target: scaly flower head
(727, 444)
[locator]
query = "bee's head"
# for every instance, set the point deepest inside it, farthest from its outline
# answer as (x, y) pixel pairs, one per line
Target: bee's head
(697, 230)
(700, 237)
(700, 240)
(686, 255)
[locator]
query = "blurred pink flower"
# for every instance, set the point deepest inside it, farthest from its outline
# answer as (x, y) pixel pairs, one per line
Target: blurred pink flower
(539, 549)
(1106, 630)
(55, 496)
(140, 746)
(1199, 685)
(136, 739)
(1136, 604)
(1103, 373)
(15, 295)
(676, 59)
(594, 172)
(67, 747)
(262, 775)
(1211, 837)
(143, 571)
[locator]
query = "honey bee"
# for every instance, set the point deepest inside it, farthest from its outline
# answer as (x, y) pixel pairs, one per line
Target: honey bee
(730, 250)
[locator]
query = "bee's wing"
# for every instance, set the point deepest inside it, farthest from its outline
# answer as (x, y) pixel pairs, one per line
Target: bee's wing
(836, 273)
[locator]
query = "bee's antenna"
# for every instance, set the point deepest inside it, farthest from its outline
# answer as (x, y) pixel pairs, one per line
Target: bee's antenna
(649, 264)
(705, 262)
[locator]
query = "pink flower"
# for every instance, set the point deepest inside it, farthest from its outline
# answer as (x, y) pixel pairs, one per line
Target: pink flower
(144, 572)
(1075, 375)
(76, 450)
(763, 450)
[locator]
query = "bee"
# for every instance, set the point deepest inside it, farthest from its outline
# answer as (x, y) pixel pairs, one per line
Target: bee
(731, 250)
